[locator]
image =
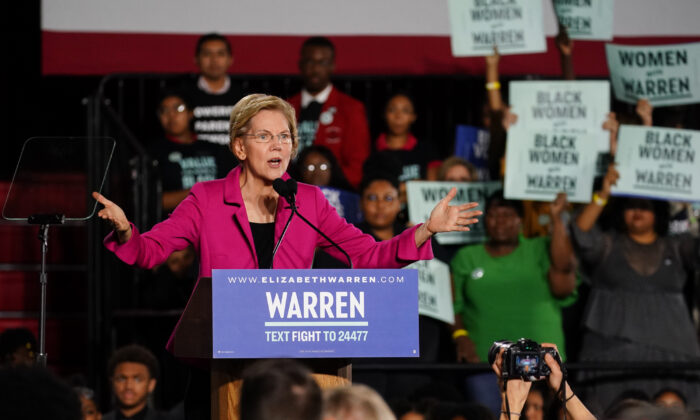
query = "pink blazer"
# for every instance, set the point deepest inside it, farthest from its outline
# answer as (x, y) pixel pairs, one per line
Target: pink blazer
(213, 218)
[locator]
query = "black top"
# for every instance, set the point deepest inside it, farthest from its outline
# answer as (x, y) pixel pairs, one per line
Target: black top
(414, 161)
(264, 239)
(144, 414)
(308, 124)
(212, 111)
(141, 415)
(182, 165)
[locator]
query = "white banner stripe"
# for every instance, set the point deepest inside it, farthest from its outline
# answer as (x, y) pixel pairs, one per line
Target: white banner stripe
(317, 324)
(320, 17)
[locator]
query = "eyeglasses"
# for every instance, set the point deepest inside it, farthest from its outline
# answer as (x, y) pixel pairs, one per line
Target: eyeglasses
(388, 198)
(322, 167)
(266, 137)
(175, 109)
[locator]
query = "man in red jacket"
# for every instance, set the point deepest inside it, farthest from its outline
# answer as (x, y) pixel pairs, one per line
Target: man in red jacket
(327, 116)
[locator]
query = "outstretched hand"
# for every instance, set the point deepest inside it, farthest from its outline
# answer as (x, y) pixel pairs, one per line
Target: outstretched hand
(447, 218)
(114, 215)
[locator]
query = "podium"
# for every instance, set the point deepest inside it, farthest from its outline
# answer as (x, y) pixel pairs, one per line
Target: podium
(322, 317)
(192, 340)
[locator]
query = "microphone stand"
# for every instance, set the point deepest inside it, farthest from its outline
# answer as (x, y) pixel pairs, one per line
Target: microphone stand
(284, 232)
(288, 191)
(294, 210)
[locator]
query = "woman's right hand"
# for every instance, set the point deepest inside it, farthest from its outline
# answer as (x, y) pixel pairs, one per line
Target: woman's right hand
(609, 180)
(466, 350)
(492, 60)
(563, 42)
(515, 393)
(612, 125)
(509, 118)
(113, 214)
(645, 111)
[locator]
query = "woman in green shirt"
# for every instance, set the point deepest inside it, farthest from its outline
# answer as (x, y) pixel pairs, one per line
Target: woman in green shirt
(511, 287)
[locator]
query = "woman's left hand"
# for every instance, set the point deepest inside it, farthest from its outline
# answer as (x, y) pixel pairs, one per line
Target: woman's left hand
(516, 391)
(447, 218)
(556, 376)
(558, 206)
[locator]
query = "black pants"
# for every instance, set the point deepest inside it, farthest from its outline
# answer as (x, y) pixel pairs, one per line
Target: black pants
(198, 395)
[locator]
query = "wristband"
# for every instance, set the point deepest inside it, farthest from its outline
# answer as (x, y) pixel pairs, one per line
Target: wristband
(512, 413)
(599, 200)
(493, 85)
(460, 333)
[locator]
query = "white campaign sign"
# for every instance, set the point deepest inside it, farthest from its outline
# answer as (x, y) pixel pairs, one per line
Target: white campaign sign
(422, 197)
(515, 26)
(563, 106)
(434, 290)
(586, 19)
(542, 163)
(658, 163)
(664, 74)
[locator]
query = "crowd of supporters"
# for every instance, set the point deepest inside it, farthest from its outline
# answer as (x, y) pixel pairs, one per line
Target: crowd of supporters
(609, 281)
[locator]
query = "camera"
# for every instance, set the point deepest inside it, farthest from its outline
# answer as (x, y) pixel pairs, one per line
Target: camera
(523, 359)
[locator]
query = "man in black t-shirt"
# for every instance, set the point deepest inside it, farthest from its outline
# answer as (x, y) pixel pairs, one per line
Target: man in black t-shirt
(213, 94)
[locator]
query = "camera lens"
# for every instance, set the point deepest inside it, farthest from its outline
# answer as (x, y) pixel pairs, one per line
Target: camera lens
(496, 348)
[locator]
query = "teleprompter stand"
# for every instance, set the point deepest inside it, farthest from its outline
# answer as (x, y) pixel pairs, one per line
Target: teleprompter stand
(44, 221)
(51, 185)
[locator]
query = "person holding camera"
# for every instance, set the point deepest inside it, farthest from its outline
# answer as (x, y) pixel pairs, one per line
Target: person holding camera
(510, 287)
(517, 365)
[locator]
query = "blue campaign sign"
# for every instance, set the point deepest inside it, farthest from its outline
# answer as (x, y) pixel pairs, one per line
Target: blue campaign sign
(315, 313)
(472, 143)
(346, 203)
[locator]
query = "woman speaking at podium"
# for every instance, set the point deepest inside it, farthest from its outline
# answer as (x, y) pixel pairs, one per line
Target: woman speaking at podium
(235, 222)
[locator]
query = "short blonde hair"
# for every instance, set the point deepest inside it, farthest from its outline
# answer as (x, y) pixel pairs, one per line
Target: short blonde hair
(250, 105)
(355, 402)
(457, 161)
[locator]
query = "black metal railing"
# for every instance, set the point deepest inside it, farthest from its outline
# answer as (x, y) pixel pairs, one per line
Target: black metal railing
(441, 101)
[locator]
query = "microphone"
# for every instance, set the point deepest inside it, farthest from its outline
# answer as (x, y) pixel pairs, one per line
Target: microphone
(292, 186)
(280, 187)
(288, 190)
